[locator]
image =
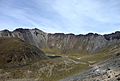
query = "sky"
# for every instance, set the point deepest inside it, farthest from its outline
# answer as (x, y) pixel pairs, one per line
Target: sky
(67, 16)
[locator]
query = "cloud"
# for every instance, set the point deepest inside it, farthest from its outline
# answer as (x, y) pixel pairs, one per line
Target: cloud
(76, 16)
(96, 15)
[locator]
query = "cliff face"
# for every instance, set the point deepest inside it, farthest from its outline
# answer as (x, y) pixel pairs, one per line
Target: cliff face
(65, 43)
(81, 43)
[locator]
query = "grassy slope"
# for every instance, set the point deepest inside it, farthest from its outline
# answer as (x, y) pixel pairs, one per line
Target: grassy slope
(14, 51)
(59, 68)
(88, 61)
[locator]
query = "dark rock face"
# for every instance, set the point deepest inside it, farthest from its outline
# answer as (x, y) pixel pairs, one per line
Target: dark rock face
(113, 36)
(6, 33)
(65, 43)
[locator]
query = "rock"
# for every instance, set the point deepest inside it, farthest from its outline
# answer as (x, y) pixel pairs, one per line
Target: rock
(65, 43)
(100, 72)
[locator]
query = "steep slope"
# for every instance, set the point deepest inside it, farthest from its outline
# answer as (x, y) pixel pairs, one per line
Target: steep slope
(60, 43)
(16, 52)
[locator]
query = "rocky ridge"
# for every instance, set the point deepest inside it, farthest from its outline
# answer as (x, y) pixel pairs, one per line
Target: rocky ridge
(65, 43)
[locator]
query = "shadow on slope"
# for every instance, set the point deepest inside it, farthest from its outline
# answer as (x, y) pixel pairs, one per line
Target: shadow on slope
(15, 52)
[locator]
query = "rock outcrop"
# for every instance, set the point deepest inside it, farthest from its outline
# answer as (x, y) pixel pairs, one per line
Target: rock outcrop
(65, 43)
(108, 70)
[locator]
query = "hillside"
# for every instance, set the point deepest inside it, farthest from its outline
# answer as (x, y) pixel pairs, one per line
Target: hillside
(16, 52)
(108, 70)
(69, 54)
(60, 43)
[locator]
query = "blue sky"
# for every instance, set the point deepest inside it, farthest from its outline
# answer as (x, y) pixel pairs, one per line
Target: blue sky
(68, 16)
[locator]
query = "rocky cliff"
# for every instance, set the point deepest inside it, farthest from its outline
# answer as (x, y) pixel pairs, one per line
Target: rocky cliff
(65, 43)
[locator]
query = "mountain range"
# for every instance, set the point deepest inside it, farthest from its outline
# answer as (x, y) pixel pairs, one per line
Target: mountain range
(65, 43)
(39, 56)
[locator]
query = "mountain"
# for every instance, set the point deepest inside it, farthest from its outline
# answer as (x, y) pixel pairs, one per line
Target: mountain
(64, 55)
(61, 43)
(15, 52)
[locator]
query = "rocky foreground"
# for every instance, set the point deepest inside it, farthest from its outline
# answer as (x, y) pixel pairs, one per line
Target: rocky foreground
(108, 70)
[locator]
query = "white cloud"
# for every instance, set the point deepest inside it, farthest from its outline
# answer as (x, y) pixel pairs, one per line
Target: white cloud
(76, 16)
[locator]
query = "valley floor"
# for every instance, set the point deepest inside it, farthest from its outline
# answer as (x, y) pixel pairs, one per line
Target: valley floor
(60, 67)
